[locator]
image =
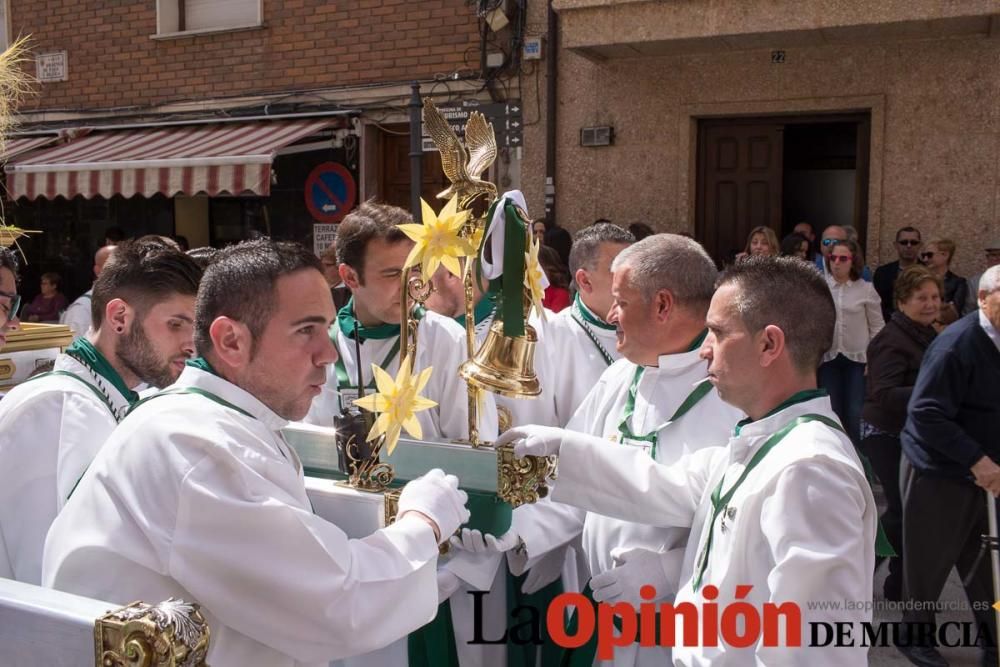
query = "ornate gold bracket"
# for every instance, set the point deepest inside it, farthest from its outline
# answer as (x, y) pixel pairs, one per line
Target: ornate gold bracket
(391, 506)
(171, 634)
(522, 481)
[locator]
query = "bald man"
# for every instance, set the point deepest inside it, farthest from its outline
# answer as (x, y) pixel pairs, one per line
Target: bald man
(77, 315)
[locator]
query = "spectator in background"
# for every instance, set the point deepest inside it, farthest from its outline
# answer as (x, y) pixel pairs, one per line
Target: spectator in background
(950, 440)
(894, 358)
(560, 240)
(761, 241)
(114, 235)
(852, 235)
(331, 271)
(992, 249)
(538, 229)
(806, 230)
(795, 245)
(831, 236)
(557, 294)
(859, 318)
(907, 249)
(640, 230)
(937, 257)
(77, 316)
(49, 304)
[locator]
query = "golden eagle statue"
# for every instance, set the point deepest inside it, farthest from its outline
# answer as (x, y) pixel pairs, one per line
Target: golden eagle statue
(463, 164)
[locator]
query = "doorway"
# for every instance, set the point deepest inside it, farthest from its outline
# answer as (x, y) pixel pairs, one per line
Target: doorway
(394, 160)
(778, 171)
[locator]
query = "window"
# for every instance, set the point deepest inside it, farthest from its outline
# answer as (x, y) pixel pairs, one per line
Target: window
(183, 16)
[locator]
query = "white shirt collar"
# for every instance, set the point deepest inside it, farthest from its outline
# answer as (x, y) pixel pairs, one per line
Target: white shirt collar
(226, 390)
(773, 423)
(678, 363)
(990, 330)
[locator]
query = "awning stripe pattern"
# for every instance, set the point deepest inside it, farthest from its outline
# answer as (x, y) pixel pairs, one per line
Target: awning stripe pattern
(233, 158)
(15, 146)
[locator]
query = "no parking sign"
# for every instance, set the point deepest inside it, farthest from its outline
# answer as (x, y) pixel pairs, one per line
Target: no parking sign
(330, 192)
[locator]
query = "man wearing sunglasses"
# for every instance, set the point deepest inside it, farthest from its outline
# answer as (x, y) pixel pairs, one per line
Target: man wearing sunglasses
(908, 244)
(53, 425)
(10, 300)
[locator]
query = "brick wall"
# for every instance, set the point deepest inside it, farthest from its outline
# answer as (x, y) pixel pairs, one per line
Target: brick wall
(304, 44)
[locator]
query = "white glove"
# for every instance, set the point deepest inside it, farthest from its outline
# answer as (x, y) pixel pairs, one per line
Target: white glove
(537, 579)
(532, 440)
(476, 542)
(635, 568)
(447, 584)
(437, 497)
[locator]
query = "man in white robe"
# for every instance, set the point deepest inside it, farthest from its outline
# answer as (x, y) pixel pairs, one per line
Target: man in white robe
(77, 316)
(783, 513)
(372, 251)
(197, 495)
(656, 400)
(52, 426)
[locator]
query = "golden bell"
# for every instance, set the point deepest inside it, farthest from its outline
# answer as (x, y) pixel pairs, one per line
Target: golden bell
(503, 364)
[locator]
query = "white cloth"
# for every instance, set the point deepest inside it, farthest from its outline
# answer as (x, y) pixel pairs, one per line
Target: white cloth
(661, 391)
(50, 430)
(195, 500)
(440, 344)
(859, 318)
(77, 315)
(572, 363)
(803, 528)
(990, 330)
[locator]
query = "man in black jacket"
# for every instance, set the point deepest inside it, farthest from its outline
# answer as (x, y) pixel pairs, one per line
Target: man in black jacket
(907, 248)
(952, 441)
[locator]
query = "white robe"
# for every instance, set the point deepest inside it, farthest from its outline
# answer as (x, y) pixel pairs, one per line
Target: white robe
(803, 527)
(50, 430)
(440, 344)
(195, 500)
(77, 315)
(660, 392)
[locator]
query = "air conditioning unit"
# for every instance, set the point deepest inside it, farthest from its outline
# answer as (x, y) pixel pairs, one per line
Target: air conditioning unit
(601, 135)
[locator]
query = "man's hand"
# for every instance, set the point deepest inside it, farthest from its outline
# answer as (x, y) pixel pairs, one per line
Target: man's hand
(436, 498)
(634, 569)
(987, 474)
(532, 440)
(476, 542)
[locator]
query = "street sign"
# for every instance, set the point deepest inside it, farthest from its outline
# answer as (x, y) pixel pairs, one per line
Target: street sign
(330, 192)
(323, 235)
(505, 117)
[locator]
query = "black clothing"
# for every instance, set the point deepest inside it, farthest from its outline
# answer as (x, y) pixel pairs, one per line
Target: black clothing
(894, 357)
(954, 410)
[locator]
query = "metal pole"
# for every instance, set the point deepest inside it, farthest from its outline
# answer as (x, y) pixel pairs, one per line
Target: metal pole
(991, 515)
(416, 152)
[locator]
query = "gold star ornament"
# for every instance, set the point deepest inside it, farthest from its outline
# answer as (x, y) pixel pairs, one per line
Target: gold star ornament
(396, 402)
(438, 239)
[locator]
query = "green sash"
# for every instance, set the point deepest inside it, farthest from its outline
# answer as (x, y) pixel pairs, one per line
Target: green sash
(625, 430)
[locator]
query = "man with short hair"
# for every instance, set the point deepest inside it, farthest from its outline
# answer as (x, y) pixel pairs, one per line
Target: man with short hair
(657, 401)
(372, 250)
(907, 249)
(951, 443)
(10, 300)
(831, 234)
(209, 500)
(783, 514)
(77, 314)
(53, 425)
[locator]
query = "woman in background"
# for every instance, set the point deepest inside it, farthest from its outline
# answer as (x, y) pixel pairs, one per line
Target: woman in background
(557, 294)
(937, 256)
(761, 241)
(47, 306)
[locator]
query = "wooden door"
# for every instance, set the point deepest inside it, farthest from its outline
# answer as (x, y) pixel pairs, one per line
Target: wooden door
(739, 183)
(395, 171)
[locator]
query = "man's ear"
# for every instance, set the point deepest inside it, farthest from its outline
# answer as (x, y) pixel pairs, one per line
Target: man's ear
(118, 316)
(582, 281)
(665, 304)
(232, 342)
(350, 277)
(771, 342)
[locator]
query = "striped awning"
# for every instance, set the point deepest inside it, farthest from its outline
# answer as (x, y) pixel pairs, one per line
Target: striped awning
(233, 158)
